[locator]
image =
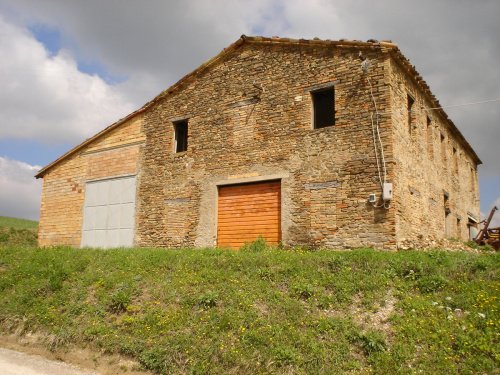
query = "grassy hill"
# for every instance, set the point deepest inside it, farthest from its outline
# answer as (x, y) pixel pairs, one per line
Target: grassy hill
(12, 222)
(20, 232)
(261, 311)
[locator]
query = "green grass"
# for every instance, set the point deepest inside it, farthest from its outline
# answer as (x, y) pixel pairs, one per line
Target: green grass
(261, 311)
(12, 222)
(18, 232)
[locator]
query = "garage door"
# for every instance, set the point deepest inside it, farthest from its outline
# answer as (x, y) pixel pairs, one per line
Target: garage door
(109, 210)
(248, 211)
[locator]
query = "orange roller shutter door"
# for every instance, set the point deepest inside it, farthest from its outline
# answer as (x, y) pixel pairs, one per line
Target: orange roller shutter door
(248, 211)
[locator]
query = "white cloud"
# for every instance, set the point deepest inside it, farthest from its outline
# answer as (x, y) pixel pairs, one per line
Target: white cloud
(156, 42)
(20, 192)
(46, 97)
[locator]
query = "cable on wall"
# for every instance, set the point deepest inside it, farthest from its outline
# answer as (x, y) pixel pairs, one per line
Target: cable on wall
(377, 140)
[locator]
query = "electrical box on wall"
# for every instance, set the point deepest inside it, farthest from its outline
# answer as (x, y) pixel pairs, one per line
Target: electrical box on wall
(372, 198)
(387, 191)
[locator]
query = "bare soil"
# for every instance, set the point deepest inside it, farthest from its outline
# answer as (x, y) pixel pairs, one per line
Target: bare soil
(84, 358)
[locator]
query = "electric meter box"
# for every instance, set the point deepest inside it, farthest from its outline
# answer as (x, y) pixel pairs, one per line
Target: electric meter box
(387, 191)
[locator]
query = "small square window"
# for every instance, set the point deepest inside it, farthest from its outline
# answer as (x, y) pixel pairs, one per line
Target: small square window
(181, 135)
(324, 108)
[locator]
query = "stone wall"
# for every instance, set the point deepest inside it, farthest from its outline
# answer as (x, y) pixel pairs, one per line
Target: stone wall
(249, 120)
(430, 163)
(114, 154)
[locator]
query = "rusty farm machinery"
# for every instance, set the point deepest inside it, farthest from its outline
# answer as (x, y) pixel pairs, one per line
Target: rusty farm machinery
(487, 235)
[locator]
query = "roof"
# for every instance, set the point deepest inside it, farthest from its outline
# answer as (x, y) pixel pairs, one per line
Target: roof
(386, 46)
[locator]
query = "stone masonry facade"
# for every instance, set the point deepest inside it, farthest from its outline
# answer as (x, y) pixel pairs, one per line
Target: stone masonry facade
(435, 175)
(249, 113)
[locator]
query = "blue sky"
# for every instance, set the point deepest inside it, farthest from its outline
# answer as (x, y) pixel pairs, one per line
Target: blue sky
(72, 68)
(53, 40)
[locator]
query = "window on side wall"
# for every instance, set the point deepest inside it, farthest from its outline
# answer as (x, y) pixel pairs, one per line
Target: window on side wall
(180, 136)
(410, 102)
(443, 148)
(323, 108)
(455, 160)
(430, 139)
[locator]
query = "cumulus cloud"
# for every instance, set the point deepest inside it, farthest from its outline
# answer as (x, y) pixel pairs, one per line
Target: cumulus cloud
(154, 42)
(46, 97)
(157, 39)
(20, 192)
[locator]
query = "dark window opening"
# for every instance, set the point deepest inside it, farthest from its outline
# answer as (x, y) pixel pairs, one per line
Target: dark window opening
(447, 213)
(324, 108)
(472, 180)
(443, 149)
(410, 103)
(181, 136)
(455, 160)
(430, 139)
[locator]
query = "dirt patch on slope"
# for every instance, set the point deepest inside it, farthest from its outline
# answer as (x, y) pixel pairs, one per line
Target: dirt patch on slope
(84, 358)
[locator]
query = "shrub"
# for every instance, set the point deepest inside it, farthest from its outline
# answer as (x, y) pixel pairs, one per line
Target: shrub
(284, 355)
(433, 283)
(208, 300)
(303, 291)
(154, 360)
(56, 279)
(265, 274)
(336, 264)
(120, 299)
(371, 342)
(256, 246)
(410, 271)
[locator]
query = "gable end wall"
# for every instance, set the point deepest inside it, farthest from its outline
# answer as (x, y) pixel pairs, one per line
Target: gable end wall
(250, 120)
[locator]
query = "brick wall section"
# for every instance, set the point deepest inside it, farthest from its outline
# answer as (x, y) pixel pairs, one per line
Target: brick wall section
(61, 207)
(129, 132)
(116, 162)
(64, 185)
(426, 168)
(250, 115)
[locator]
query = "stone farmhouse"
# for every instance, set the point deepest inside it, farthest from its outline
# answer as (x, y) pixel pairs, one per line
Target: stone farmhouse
(306, 142)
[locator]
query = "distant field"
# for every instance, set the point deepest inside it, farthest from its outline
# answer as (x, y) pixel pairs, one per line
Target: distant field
(19, 232)
(260, 310)
(12, 222)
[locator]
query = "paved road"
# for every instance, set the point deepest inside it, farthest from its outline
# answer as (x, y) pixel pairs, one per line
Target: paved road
(16, 363)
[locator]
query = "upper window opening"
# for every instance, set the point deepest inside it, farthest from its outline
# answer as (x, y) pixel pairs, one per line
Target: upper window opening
(472, 179)
(443, 148)
(410, 103)
(430, 139)
(181, 135)
(324, 108)
(455, 160)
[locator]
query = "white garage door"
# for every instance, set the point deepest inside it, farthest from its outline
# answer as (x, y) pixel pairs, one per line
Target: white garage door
(108, 217)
